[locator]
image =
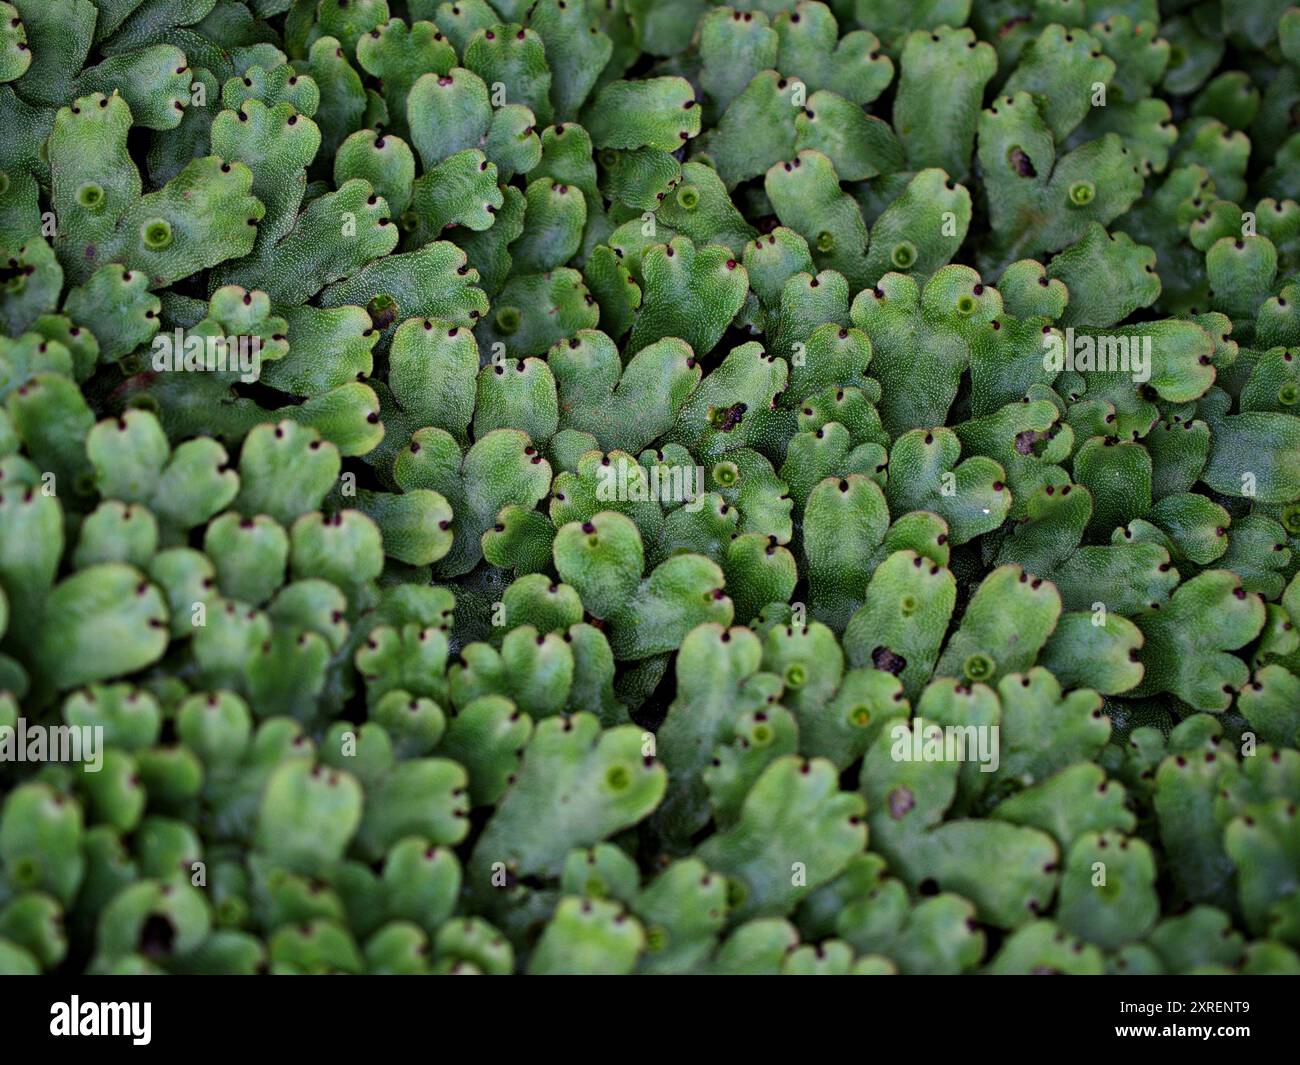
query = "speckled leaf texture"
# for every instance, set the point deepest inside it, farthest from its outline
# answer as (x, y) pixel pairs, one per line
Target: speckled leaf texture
(633, 487)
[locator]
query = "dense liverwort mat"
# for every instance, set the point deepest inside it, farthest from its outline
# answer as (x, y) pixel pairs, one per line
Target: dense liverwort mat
(625, 486)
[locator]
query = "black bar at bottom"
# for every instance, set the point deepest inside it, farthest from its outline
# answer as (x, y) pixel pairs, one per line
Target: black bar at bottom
(365, 1015)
